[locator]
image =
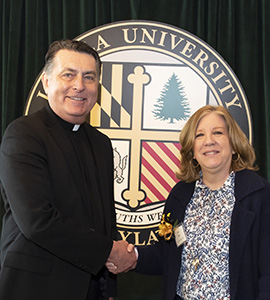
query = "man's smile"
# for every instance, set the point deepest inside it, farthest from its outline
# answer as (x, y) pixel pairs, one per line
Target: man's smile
(77, 98)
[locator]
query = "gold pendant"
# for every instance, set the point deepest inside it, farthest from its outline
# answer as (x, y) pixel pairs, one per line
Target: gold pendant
(195, 263)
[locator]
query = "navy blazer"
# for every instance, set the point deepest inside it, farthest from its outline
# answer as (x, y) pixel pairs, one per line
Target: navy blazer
(49, 246)
(249, 254)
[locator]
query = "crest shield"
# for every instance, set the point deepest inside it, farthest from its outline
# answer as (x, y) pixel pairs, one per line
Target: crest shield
(155, 76)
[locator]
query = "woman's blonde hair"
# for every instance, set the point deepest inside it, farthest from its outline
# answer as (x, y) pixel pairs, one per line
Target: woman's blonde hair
(244, 157)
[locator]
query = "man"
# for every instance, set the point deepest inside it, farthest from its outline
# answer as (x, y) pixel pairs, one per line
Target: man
(56, 174)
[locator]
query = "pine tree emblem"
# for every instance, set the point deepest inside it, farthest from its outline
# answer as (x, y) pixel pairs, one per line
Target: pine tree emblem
(172, 104)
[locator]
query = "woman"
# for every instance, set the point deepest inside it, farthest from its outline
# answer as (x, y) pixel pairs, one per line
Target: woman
(225, 209)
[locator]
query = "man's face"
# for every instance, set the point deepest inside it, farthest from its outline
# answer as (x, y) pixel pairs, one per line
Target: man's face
(72, 85)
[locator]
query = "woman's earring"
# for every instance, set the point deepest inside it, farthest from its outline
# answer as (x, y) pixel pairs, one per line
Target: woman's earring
(235, 157)
(194, 163)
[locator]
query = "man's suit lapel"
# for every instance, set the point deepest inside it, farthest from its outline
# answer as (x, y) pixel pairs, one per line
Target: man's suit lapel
(101, 171)
(58, 133)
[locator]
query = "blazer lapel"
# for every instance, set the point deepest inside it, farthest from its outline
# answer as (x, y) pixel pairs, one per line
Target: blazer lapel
(61, 139)
(101, 170)
(242, 220)
(241, 223)
(177, 208)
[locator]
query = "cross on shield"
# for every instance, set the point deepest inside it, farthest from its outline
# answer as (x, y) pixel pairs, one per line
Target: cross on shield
(120, 116)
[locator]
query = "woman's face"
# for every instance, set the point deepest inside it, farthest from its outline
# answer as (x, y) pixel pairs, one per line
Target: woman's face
(212, 148)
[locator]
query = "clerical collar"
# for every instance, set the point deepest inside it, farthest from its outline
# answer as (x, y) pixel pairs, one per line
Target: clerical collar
(67, 125)
(76, 127)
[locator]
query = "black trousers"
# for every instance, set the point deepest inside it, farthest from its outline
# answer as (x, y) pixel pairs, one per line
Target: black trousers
(98, 287)
(93, 291)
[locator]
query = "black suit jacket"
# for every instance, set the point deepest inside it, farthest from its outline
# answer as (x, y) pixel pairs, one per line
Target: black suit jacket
(49, 245)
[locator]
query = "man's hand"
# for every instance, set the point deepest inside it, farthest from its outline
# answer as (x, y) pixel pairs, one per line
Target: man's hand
(122, 257)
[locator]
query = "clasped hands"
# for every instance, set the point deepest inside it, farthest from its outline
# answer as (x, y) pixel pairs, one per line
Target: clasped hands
(122, 257)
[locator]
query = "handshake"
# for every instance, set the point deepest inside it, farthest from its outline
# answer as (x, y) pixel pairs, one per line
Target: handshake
(122, 258)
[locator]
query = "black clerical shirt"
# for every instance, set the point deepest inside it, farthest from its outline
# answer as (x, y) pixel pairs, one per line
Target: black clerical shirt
(83, 150)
